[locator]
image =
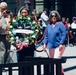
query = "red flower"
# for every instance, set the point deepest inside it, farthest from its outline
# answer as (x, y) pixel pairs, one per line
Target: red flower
(26, 15)
(10, 21)
(6, 29)
(32, 17)
(15, 17)
(7, 36)
(19, 46)
(37, 21)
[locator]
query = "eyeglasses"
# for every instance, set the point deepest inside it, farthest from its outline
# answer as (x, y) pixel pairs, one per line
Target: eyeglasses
(4, 9)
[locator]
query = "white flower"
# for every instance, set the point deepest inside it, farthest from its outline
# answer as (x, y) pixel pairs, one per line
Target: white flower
(33, 36)
(11, 27)
(33, 22)
(27, 40)
(28, 18)
(37, 30)
(14, 20)
(20, 17)
(10, 32)
(12, 38)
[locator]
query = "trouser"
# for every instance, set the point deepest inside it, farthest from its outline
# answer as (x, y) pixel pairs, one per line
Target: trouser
(2, 52)
(4, 47)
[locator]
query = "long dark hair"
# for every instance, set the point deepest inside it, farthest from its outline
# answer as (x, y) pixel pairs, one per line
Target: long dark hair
(57, 16)
(24, 8)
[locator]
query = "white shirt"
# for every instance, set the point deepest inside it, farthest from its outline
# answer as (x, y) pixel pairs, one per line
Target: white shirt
(3, 25)
(44, 18)
(73, 25)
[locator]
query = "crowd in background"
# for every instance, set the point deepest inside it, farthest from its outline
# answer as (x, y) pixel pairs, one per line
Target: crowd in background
(59, 32)
(43, 18)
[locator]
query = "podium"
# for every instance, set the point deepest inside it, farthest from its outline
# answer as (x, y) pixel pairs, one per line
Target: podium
(25, 51)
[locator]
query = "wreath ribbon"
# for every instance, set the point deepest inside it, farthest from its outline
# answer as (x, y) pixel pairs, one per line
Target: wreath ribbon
(20, 45)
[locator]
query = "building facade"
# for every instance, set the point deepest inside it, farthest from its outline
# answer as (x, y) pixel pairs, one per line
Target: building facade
(66, 8)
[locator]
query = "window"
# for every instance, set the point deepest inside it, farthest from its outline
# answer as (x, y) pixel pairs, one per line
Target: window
(12, 5)
(39, 5)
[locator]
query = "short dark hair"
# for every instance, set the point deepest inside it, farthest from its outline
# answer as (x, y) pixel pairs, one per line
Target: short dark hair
(74, 18)
(24, 8)
(45, 9)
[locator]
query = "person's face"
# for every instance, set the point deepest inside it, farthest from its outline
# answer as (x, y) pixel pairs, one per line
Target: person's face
(34, 12)
(45, 12)
(54, 18)
(24, 12)
(27, 5)
(3, 8)
(74, 21)
(63, 19)
(67, 19)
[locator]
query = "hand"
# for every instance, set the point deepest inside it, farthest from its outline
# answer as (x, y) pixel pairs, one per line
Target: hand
(4, 13)
(44, 47)
(60, 47)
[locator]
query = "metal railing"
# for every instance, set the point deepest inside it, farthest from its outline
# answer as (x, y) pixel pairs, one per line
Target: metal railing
(32, 64)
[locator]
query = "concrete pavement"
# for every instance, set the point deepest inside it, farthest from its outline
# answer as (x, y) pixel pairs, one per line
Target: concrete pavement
(69, 66)
(70, 55)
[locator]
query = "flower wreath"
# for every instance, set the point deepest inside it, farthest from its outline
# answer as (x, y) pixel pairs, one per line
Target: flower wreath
(23, 22)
